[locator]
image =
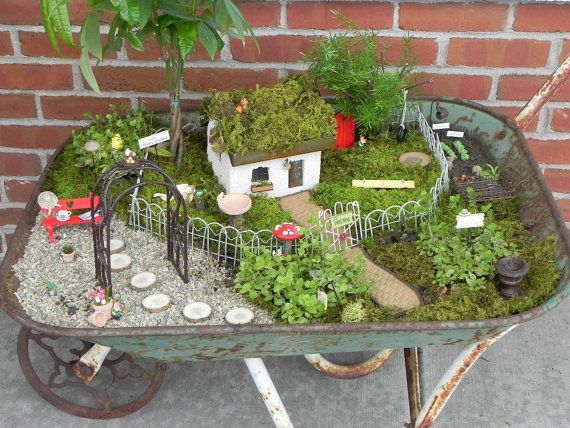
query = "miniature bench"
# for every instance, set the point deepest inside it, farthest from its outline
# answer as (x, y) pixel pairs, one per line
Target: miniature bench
(68, 204)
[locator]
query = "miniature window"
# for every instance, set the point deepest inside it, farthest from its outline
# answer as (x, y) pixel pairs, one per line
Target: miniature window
(260, 174)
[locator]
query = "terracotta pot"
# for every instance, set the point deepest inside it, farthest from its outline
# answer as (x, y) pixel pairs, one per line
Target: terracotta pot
(68, 257)
(511, 271)
(104, 309)
(97, 319)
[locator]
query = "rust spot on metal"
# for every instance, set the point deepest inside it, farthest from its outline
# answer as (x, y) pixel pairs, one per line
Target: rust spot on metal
(353, 371)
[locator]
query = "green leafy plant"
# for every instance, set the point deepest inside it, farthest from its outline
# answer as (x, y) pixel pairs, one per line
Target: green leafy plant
(353, 312)
(177, 26)
(67, 249)
(289, 285)
(490, 172)
(269, 119)
(448, 151)
(348, 65)
(461, 150)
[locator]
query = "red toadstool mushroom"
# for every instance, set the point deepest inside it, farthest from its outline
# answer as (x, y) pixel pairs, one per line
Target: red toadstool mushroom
(287, 232)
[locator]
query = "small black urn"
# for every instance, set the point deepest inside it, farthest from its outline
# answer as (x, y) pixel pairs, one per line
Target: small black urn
(511, 272)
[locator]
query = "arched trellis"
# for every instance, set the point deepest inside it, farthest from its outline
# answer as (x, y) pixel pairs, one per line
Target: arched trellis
(176, 216)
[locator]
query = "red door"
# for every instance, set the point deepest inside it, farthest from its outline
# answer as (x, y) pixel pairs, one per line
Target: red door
(345, 131)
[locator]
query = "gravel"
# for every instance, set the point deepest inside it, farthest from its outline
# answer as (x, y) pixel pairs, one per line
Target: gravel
(71, 304)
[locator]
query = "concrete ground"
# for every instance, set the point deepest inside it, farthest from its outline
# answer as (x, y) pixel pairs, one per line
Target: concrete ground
(523, 381)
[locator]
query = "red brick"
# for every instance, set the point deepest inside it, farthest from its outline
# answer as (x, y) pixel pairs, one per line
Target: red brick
(5, 44)
(152, 53)
(498, 53)
(8, 237)
(19, 190)
(564, 208)
(38, 45)
(524, 87)
(452, 16)
(512, 112)
(457, 85)
(9, 216)
(205, 79)
(72, 107)
(136, 79)
(34, 137)
(542, 17)
(35, 76)
(272, 49)
(260, 14)
(19, 164)
(558, 180)
(551, 151)
(17, 106)
(424, 49)
(317, 15)
(560, 120)
(163, 104)
(565, 51)
(28, 12)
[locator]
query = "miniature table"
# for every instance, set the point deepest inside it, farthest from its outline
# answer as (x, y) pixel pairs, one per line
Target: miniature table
(68, 204)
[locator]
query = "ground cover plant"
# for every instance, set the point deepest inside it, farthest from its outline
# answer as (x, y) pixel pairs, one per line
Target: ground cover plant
(378, 159)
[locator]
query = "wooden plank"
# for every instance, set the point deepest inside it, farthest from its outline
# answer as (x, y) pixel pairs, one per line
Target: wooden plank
(385, 184)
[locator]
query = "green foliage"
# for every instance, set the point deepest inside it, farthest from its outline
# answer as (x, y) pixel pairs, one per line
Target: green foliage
(288, 285)
(348, 65)
(353, 312)
(448, 150)
(463, 256)
(461, 150)
(67, 249)
(490, 172)
(104, 130)
(265, 213)
(377, 160)
(272, 119)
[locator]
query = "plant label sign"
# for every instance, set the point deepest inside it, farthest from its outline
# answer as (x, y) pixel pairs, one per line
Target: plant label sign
(436, 126)
(154, 139)
(341, 220)
(466, 220)
(456, 134)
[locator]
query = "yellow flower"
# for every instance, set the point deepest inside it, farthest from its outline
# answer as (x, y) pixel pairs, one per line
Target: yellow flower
(117, 142)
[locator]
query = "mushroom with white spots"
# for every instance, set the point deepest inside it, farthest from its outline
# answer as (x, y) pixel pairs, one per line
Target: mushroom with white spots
(288, 233)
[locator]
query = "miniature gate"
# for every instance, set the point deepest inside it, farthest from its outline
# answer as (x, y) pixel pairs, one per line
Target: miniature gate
(342, 225)
(176, 238)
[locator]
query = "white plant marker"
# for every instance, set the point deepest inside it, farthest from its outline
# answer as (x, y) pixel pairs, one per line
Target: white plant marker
(156, 303)
(197, 311)
(116, 246)
(143, 281)
(239, 316)
(466, 220)
(120, 262)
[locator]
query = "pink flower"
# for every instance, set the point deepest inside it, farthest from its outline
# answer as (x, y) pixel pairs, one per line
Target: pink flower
(99, 296)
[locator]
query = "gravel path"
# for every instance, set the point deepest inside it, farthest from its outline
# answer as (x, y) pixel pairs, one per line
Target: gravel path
(74, 281)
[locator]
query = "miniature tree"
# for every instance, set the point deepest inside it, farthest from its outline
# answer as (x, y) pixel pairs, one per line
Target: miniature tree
(177, 26)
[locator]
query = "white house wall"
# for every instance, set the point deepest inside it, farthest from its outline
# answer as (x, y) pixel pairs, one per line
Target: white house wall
(237, 179)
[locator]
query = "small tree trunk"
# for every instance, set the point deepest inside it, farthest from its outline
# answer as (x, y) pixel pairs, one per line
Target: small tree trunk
(176, 134)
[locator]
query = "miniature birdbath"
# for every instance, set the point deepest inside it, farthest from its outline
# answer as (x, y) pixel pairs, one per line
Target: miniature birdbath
(511, 272)
(287, 232)
(48, 201)
(235, 205)
(415, 158)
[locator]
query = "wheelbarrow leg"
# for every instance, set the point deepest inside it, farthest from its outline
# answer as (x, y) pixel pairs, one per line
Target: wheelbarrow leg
(448, 382)
(268, 392)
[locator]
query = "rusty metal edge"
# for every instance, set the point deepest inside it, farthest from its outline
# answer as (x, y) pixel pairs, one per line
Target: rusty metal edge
(11, 306)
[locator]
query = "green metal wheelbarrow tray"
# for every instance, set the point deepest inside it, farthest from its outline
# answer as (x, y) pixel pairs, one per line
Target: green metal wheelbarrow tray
(508, 148)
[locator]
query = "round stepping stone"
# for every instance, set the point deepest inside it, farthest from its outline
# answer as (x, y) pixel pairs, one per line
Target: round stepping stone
(415, 158)
(239, 316)
(197, 311)
(143, 281)
(116, 246)
(156, 303)
(120, 262)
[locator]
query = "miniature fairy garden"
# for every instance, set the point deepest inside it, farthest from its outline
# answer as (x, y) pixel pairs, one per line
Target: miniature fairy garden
(282, 207)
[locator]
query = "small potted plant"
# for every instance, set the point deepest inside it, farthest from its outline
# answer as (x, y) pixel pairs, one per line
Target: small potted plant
(261, 186)
(102, 306)
(68, 253)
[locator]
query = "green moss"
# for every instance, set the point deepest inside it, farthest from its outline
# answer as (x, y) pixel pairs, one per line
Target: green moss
(274, 119)
(265, 213)
(377, 160)
(353, 312)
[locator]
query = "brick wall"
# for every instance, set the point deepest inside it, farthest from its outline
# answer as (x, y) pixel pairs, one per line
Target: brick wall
(495, 53)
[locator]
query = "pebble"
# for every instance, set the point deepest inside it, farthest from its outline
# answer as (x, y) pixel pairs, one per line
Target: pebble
(208, 282)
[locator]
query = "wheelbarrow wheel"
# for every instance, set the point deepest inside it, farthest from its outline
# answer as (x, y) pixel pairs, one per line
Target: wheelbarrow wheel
(121, 387)
(352, 371)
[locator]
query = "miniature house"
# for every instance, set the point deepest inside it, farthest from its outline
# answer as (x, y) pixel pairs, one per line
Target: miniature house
(276, 174)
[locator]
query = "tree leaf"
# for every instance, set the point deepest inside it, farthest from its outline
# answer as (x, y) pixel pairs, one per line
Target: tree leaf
(145, 10)
(209, 38)
(86, 70)
(50, 31)
(187, 36)
(135, 42)
(59, 18)
(91, 36)
(178, 10)
(129, 10)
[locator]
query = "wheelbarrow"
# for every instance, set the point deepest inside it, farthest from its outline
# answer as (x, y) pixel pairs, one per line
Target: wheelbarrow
(508, 148)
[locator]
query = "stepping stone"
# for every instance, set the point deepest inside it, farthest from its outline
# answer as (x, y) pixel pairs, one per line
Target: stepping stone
(116, 246)
(239, 316)
(156, 303)
(143, 281)
(120, 262)
(197, 311)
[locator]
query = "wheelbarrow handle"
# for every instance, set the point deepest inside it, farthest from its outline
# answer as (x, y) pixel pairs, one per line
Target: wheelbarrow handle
(90, 363)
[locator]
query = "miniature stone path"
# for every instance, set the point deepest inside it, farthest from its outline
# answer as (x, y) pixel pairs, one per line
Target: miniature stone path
(388, 290)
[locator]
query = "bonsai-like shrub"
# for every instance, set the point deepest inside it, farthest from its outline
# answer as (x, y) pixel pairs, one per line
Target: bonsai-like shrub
(349, 65)
(269, 119)
(353, 312)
